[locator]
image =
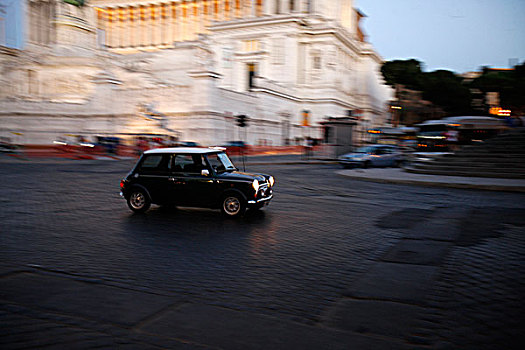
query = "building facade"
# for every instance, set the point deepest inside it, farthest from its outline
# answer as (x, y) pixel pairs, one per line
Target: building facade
(187, 69)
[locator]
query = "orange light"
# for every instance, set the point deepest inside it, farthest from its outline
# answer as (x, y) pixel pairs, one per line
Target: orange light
(504, 112)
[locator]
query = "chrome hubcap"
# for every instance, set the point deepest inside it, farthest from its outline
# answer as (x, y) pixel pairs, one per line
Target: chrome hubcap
(137, 200)
(232, 205)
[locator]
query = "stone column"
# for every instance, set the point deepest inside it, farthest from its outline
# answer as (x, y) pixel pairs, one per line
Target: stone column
(174, 22)
(125, 25)
(196, 19)
(267, 7)
(222, 11)
(142, 26)
(284, 6)
(162, 23)
(231, 14)
(200, 14)
(136, 25)
(111, 24)
(151, 25)
(155, 24)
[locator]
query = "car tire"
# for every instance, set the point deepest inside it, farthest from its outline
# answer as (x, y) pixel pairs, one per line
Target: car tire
(366, 164)
(138, 200)
(233, 205)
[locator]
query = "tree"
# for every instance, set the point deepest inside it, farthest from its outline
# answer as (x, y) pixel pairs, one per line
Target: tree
(510, 84)
(405, 72)
(78, 3)
(445, 89)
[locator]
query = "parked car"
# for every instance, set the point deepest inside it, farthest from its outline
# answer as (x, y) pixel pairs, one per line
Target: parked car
(236, 147)
(187, 144)
(108, 144)
(194, 177)
(6, 146)
(373, 156)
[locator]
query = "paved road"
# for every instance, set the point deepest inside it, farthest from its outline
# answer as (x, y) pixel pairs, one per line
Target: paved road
(353, 264)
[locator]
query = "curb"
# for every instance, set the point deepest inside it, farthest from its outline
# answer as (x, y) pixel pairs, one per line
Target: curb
(436, 183)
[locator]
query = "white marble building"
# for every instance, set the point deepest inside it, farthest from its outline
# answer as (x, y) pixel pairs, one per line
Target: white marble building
(99, 69)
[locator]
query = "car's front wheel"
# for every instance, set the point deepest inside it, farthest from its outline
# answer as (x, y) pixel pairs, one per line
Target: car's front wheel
(138, 200)
(233, 205)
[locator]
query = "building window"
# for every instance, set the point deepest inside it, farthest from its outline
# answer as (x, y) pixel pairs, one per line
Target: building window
(277, 6)
(278, 51)
(252, 72)
(292, 6)
(317, 62)
(32, 82)
(251, 46)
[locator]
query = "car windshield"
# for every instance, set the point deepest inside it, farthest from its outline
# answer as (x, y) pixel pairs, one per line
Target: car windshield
(366, 149)
(220, 162)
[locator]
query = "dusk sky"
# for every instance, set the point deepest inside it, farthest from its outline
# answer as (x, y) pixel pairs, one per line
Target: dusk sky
(458, 35)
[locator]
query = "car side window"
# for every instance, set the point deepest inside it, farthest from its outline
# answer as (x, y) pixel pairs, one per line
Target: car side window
(188, 163)
(155, 164)
(215, 162)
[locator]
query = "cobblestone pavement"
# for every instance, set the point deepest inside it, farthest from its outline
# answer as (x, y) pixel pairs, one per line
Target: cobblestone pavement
(328, 257)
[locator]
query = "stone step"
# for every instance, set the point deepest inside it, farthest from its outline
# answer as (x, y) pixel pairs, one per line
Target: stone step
(461, 167)
(495, 165)
(474, 173)
(517, 161)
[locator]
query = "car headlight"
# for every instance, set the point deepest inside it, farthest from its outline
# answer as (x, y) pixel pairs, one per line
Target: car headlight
(271, 180)
(255, 185)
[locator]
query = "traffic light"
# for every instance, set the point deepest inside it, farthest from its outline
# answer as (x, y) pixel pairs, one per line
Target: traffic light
(242, 120)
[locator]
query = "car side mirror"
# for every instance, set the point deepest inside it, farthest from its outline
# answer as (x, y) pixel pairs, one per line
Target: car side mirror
(205, 172)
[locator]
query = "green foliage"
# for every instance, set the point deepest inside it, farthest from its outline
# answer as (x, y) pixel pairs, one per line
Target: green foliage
(407, 73)
(445, 89)
(509, 83)
(449, 91)
(78, 3)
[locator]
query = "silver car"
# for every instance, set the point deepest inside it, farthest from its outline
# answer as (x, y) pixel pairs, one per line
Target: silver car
(372, 156)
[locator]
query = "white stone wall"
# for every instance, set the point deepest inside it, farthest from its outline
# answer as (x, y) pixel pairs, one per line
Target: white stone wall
(196, 87)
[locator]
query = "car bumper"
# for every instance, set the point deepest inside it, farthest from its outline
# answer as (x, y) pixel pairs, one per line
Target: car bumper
(351, 162)
(261, 201)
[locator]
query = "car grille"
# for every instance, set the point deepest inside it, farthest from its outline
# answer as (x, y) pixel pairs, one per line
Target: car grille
(264, 191)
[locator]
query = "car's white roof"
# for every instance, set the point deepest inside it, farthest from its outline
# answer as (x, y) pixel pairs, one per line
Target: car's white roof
(185, 150)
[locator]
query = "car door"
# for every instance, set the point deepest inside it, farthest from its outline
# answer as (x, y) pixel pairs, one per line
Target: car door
(154, 176)
(189, 186)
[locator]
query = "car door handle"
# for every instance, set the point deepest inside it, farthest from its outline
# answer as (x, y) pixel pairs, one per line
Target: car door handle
(177, 181)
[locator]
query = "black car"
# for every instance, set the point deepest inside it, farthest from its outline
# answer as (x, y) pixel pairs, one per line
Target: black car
(194, 177)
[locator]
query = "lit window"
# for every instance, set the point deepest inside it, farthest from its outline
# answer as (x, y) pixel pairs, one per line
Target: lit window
(250, 45)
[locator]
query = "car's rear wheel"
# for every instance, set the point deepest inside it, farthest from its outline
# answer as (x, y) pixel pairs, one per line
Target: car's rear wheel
(233, 205)
(366, 164)
(138, 200)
